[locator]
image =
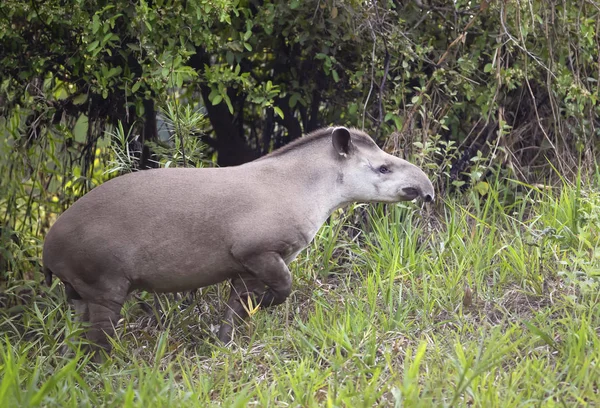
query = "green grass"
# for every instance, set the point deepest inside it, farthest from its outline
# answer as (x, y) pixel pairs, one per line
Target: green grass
(466, 304)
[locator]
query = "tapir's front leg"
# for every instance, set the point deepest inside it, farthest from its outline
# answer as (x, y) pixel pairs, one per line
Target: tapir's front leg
(265, 269)
(271, 270)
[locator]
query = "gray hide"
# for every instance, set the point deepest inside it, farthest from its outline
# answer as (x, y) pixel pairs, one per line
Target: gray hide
(170, 230)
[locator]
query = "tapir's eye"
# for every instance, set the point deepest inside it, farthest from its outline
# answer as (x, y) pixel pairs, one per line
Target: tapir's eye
(384, 170)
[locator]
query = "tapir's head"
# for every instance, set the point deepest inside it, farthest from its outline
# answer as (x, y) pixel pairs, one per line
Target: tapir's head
(370, 174)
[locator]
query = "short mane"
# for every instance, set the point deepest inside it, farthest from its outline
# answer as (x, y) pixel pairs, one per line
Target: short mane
(357, 136)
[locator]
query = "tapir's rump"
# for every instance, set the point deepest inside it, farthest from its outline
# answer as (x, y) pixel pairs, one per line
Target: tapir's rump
(168, 230)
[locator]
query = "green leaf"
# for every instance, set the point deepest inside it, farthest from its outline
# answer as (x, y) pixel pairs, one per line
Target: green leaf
(61, 93)
(106, 37)
(213, 94)
(136, 86)
(335, 75)
(229, 57)
(398, 122)
(95, 24)
(482, 188)
(114, 71)
(80, 99)
(133, 46)
(53, 382)
(411, 374)
(93, 46)
(294, 99)
(488, 67)
(544, 336)
(228, 102)
(216, 100)
(278, 111)
(248, 46)
(81, 128)
(236, 46)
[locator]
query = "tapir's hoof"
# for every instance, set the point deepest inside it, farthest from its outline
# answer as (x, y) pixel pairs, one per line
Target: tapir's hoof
(225, 334)
(99, 356)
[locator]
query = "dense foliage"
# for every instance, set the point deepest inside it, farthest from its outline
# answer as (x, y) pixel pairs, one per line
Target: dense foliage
(516, 75)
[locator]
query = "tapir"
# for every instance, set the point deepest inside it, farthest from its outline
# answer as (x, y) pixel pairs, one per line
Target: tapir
(178, 229)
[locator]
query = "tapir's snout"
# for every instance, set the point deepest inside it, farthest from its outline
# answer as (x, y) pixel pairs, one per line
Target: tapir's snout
(419, 186)
(426, 194)
(427, 197)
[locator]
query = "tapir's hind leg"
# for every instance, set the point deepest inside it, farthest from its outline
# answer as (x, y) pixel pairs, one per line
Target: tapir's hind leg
(100, 303)
(82, 312)
(103, 317)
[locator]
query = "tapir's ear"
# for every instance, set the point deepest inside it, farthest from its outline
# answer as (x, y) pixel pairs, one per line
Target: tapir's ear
(342, 142)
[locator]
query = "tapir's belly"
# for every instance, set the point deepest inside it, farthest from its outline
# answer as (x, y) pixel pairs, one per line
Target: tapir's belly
(182, 270)
(180, 281)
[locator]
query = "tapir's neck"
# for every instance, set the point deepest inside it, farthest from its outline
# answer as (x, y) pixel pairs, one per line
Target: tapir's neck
(311, 179)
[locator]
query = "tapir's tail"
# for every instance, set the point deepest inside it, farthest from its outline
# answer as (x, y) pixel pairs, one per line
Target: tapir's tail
(47, 276)
(69, 289)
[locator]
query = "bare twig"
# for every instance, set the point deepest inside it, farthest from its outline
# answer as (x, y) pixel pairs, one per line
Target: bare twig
(518, 44)
(372, 75)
